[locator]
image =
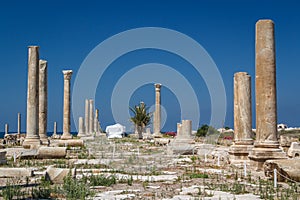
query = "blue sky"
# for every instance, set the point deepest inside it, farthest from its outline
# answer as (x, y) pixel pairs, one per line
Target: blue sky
(68, 31)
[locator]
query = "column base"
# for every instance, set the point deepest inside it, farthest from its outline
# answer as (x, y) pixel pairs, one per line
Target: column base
(44, 140)
(81, 135)
(31, 143)
(182, 146)
(260, 153)
(239, 152)
(157, 135)
(66, 136)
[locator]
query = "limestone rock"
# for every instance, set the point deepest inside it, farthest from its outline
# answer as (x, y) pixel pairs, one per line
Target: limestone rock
(52, 152)
(71, 143)
(15, 172)
(286, 140)
(57, 175)
(162, 141)
(289, 168)
(294, 150)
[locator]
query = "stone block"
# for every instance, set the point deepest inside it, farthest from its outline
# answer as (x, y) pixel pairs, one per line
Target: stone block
(57, 175)
(15, 172)
(52, 152)
(287, 169)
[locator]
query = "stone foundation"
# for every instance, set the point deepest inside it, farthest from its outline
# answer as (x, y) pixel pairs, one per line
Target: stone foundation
(259, 155)
(183, 143)
(239, 152)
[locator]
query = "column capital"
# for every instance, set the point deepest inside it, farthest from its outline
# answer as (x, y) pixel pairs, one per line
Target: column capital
(42, 65)
(241, 74)
(265, 22)
(67, 74)
(33, 47)
(157, 86)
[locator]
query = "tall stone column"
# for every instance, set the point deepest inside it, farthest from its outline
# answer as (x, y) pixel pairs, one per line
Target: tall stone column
(266, 145)
(67, 105)
(96, 120)
(81, 132)
(157, 113)
(19, 125)
(32, 139)
(243, 143)
(91, 117)
(6, 129)
(86, 116)
(43, 100)
(54, 128)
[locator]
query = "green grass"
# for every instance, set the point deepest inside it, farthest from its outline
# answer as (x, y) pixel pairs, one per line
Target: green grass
(198, 175)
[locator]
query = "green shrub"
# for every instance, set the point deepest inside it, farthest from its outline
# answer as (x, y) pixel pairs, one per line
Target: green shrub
(102, 180)
(205, 130)
(11, 190)
(74, 189)
(198, 175)
(43, 191)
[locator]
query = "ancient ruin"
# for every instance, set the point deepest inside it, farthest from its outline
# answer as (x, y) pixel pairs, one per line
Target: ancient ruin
(19, 125)
(43, 96)
(266, 145)
(86, 116)
(32, 139)
(81, 132)
(157, 112)
(91, 116)
(183, 142)
(186, 164)
(96, 121)
(67, 105)
(243, 142)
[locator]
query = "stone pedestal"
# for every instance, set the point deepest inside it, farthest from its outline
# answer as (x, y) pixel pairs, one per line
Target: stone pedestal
(43, 96)
(32, 139)
(266, 146)
(157, 113)
(67, 105)
(183, 142)
(243, 143)
(81, 132)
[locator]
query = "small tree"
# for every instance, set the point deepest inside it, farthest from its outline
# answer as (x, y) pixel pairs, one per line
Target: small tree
(205, 130)
(141, 118)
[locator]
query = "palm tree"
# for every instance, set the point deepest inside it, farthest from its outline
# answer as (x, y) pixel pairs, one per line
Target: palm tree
(141, 118)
